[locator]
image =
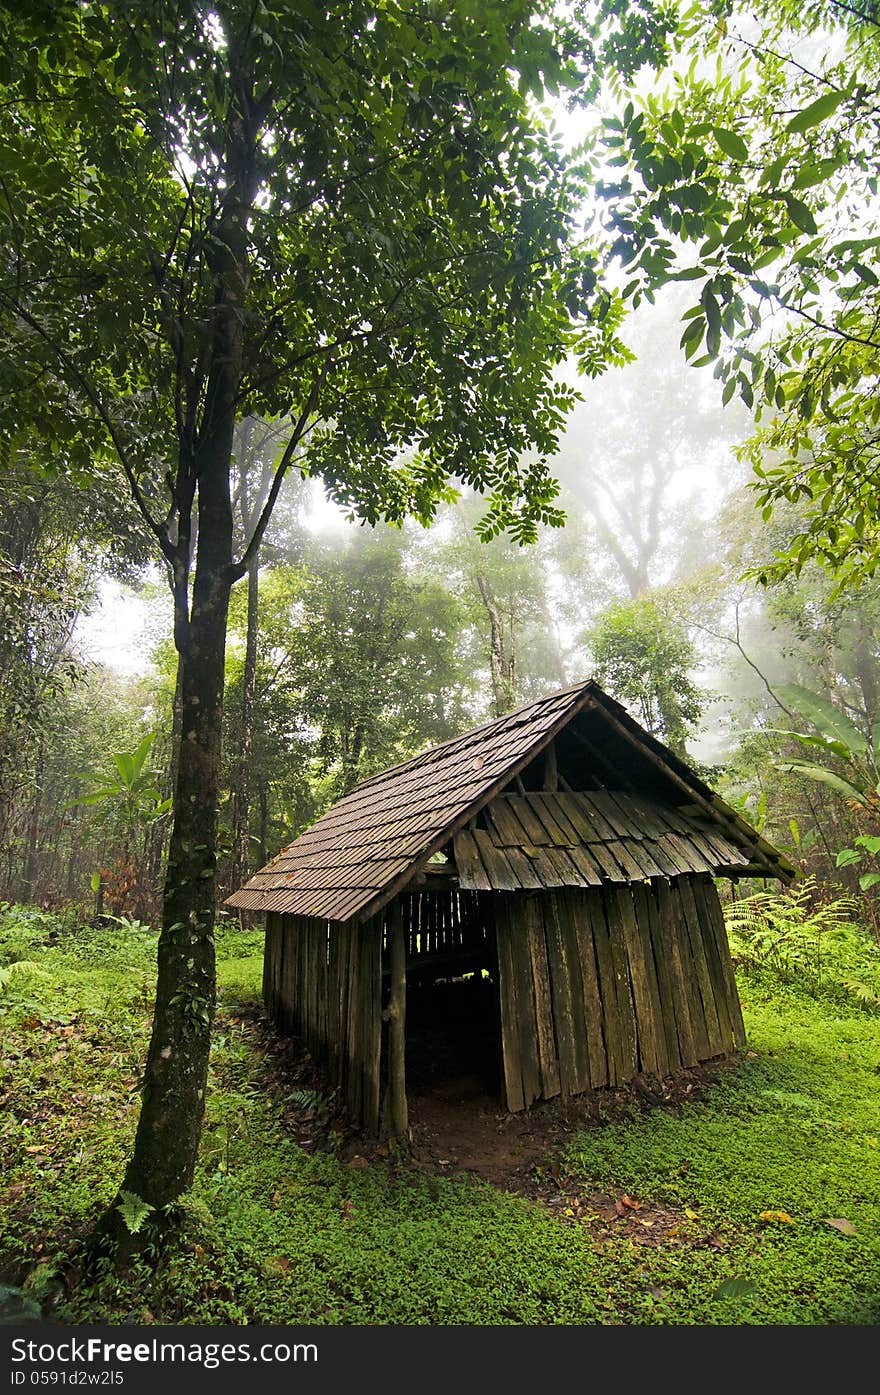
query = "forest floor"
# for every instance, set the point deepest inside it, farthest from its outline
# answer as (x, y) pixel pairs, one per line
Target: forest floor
(748, 1194)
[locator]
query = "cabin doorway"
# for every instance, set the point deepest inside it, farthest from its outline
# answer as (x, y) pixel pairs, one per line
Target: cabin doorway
(453, 1024)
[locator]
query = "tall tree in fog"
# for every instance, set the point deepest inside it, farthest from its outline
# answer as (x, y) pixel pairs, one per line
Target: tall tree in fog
(353, 219)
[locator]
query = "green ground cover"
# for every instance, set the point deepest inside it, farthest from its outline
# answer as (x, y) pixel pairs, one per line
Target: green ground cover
(783, 1142)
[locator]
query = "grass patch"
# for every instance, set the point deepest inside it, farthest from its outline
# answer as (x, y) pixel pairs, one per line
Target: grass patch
(276, 1235)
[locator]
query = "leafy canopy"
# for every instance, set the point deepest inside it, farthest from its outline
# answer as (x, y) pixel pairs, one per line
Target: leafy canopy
(408, 267)
(753, 173)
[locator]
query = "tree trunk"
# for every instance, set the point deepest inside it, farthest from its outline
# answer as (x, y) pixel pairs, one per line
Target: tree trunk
(501, 663)
(173, 1100)
(241, 832)
(166, 1145)
(29, 870)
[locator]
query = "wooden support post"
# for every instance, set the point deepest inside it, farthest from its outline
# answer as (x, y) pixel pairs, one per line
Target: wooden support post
(398, 1119)
(551, 770)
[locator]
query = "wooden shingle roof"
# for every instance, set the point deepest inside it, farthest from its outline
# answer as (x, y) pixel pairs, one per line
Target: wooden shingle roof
(544, 839)
(375, 840)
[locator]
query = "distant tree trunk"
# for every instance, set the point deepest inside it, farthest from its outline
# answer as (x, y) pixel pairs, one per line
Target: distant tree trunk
(263, 794)
(241, 830)
(502, 660)
(29, 869)
(866, 672)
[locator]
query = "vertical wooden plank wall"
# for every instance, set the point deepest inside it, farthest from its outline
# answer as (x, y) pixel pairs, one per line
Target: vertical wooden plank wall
(598, 985)
(322, 982)
(444, 924)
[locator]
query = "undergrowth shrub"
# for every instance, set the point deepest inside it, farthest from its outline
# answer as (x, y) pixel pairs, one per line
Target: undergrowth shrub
(24, 929)
(802, 937)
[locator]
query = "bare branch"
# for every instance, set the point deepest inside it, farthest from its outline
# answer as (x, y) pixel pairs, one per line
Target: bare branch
(238, 569)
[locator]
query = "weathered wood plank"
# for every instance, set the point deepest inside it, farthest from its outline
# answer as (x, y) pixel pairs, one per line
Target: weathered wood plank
(507, 988)
(525, 998)
(695, 998)
(579, 922)
(573, 1068)
(647, 1025)
(599, 829)
(522, 808)
(372, 1033)
(645, 904)
(670, 954)
(355, 1083)
(559, 806)
(558, 833)
(697, 935)
(537, 946)
(619, 908)
(471, 872)
(343, 937)
(288, 975)
(498, 869)
(524, 870)
(509, 829)
(611, 871)
(612, 1027)
(663, 970)
(716, 917)
(716, 974)
(589, 869)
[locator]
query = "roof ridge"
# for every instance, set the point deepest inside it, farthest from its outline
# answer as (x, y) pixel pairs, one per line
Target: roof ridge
(444, 746)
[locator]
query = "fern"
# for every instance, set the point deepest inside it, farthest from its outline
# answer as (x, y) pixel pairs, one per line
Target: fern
(134, 1210)
(799, 936)
(20, 968)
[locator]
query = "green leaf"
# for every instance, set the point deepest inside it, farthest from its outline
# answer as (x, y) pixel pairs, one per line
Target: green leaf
(133, 1210)
(868, 879)
(139, 755)
(822, 777)
(800, 214)
(734, 1288)
(732, 144)
(825, 717)
(124, 763)
(865, 274)
(817, 111)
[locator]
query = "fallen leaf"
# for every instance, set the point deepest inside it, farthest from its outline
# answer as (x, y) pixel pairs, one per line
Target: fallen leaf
(278, 1264)
(734, 1288)
(633, 1205)
(840, 1223)
(691, 1215)
(782, 1216)
(35, 1148)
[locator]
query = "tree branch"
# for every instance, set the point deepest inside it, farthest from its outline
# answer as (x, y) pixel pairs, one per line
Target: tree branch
(238, 569)
(168, 550)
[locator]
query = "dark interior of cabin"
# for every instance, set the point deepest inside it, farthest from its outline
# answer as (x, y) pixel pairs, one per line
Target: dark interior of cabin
(453, 1036)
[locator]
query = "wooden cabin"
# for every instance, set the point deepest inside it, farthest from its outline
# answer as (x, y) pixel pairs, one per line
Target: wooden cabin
(560, 861)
